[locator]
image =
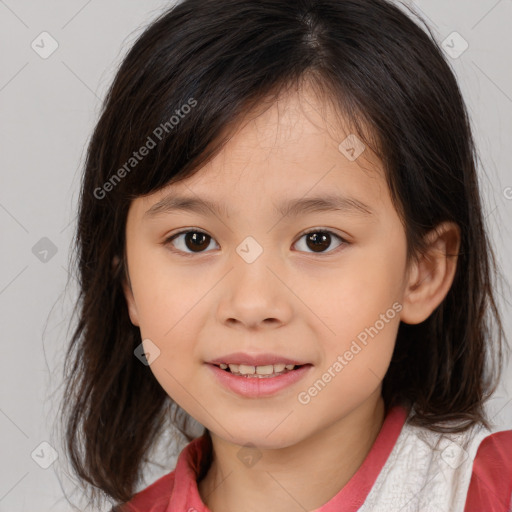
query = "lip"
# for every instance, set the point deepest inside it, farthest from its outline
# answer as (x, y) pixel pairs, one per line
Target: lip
(255, 360)
(254, 387)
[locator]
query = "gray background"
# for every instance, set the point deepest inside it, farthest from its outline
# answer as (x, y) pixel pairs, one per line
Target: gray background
(48, 108)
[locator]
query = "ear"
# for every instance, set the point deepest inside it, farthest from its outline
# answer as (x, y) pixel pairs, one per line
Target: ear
(430, 276)
(127, 289)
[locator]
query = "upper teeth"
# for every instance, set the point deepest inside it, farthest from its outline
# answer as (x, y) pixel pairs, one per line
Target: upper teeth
(260, 370)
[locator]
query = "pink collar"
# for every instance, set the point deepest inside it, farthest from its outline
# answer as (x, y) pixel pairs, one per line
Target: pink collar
(185, 494)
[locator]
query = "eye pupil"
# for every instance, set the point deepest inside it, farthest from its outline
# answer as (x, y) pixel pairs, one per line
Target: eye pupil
(321, 241)
(196, 237)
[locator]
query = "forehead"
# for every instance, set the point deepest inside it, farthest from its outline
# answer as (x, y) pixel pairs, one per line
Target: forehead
(298, 128)
(294, 147)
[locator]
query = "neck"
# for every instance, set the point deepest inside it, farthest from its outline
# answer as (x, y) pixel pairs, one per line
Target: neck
(303, 476)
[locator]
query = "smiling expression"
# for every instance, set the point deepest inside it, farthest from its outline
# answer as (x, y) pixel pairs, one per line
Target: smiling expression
(240, 258)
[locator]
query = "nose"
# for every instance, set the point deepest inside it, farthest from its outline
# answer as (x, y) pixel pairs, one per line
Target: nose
(255, 295)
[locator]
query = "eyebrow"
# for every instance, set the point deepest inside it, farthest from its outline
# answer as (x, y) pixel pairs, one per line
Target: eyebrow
(291, 207)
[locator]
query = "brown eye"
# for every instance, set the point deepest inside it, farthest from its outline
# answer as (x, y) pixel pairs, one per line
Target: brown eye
(195, 240)
(320, 240)
(190, 241)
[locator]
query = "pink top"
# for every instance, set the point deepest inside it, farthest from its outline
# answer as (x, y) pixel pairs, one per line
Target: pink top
(488, 480)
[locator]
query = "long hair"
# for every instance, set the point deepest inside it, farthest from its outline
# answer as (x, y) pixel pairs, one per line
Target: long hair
(388, 77)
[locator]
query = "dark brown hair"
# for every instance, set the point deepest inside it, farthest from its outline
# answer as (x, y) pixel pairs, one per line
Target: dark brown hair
(384, 74)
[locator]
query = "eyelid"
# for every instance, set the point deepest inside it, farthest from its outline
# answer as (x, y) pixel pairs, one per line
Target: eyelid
(168, 239)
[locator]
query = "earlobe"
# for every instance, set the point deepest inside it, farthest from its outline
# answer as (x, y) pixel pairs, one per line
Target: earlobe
(431, 275)
(128, 293)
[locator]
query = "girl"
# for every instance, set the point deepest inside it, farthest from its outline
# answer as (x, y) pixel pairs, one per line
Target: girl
(281, 237)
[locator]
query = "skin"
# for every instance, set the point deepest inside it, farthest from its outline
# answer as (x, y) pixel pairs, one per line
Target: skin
(291, 301)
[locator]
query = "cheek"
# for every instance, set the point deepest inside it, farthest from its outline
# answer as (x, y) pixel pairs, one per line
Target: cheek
(366, 285)
(363, 313)
(169, 309)
(354, 368)
(164, 293)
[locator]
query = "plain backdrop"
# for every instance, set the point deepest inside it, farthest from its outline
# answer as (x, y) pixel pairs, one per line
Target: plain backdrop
(48, 107)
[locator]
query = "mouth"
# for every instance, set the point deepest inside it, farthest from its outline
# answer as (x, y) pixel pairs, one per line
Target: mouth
(259, 381)
(259, 372)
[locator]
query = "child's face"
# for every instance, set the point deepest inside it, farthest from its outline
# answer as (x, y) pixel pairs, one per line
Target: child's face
(304, 300)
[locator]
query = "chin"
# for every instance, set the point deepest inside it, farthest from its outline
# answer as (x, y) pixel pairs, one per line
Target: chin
(261, 439)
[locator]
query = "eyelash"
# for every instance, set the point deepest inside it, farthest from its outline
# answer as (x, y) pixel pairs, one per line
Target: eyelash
(169, 239)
